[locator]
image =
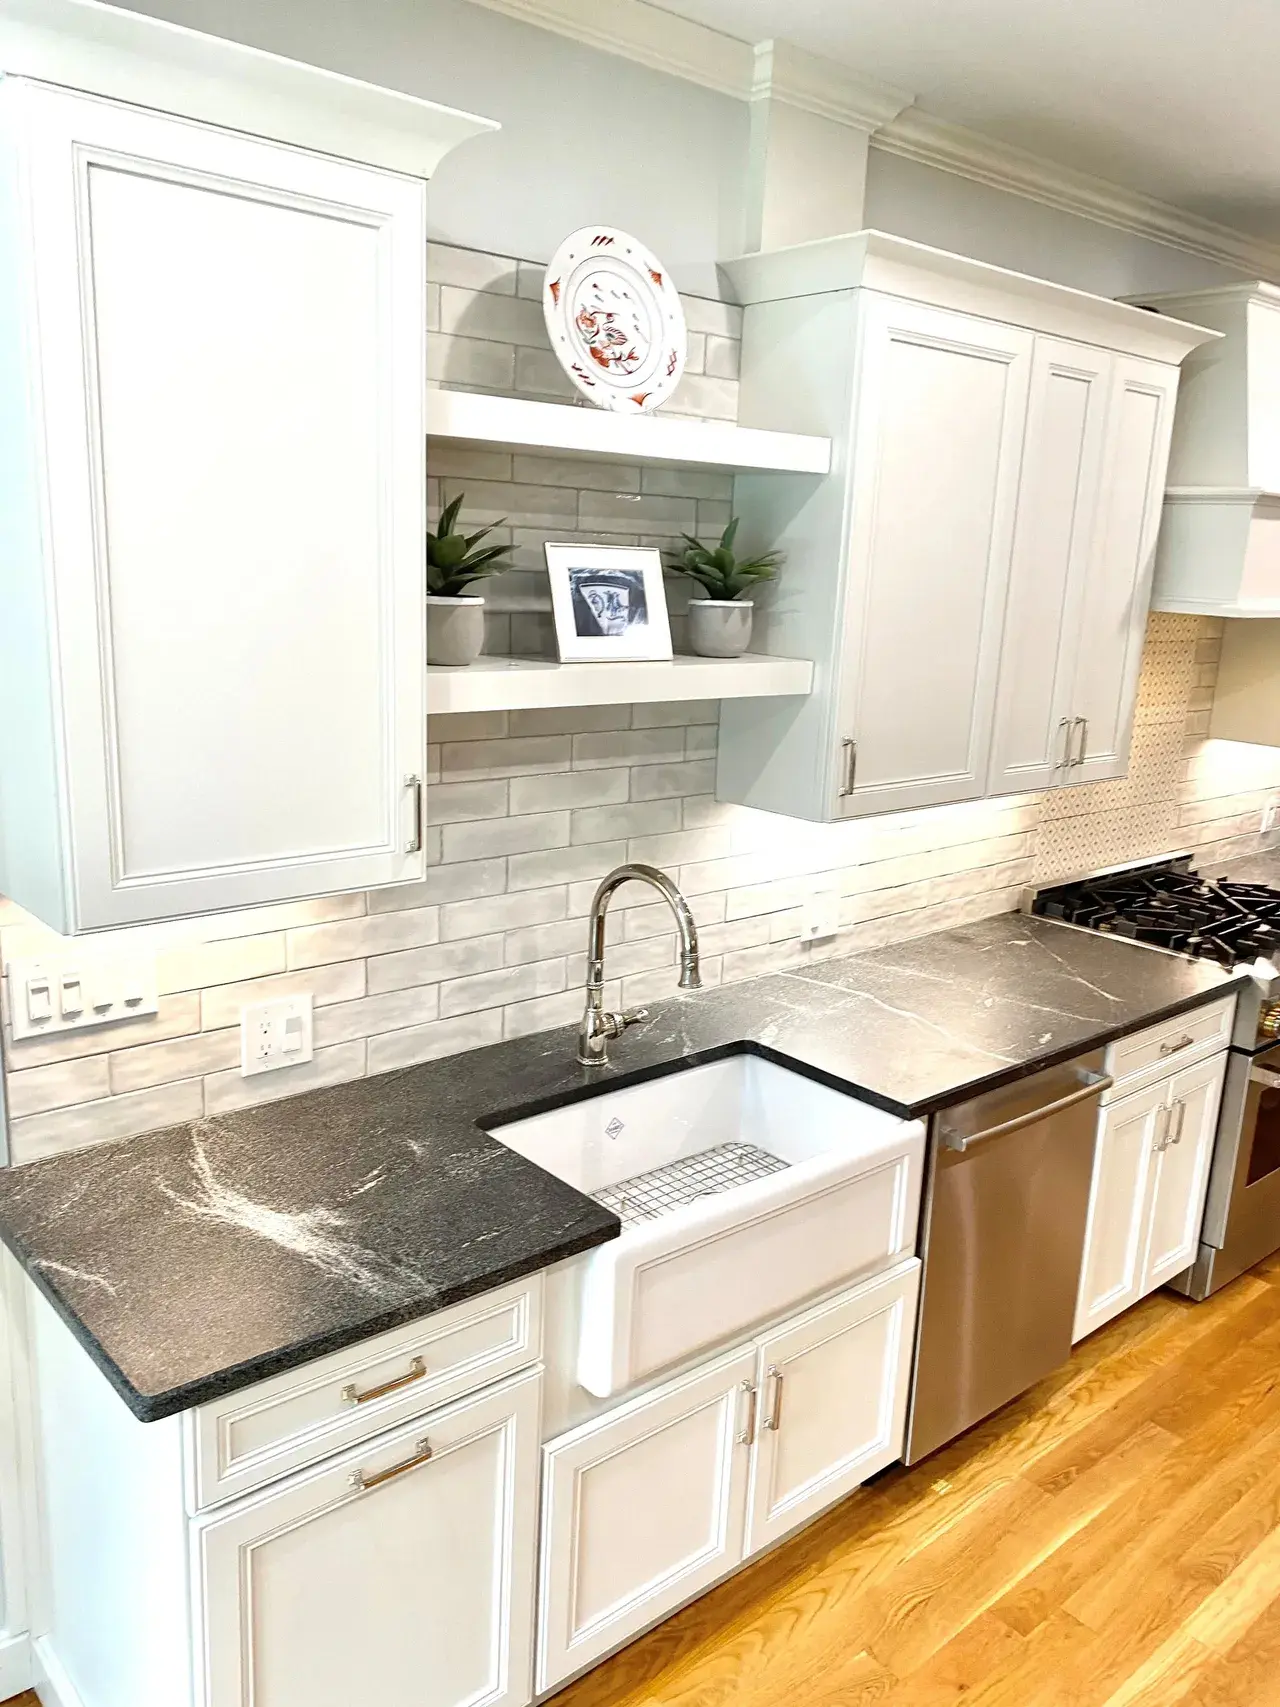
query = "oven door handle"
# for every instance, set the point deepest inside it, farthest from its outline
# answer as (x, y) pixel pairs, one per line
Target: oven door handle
(966, 1140)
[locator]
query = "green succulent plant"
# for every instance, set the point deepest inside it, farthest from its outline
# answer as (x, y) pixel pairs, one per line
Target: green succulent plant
(453, 562)
(719, 570)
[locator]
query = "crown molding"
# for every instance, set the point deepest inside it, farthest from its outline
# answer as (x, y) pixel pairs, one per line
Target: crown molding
(645, 34)
(642, 32)
(784, 72)
(915, 135)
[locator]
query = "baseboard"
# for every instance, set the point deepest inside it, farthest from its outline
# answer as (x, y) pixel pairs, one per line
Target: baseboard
(50, 1680)
(17, 1668)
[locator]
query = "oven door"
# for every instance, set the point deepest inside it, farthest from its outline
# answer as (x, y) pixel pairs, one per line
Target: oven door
(1242, 1215)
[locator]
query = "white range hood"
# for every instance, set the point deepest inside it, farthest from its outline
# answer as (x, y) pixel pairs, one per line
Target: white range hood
(1219, 549)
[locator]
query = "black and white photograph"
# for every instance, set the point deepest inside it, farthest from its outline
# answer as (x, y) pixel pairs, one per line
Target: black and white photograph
(609, 603)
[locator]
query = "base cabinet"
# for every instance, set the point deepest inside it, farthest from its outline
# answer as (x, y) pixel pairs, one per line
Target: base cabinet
(651, 1503)
(400, 1572)
(1150, 1176)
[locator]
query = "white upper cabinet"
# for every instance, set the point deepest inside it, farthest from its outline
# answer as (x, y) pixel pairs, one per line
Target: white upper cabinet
(972, 581)
(212, 495)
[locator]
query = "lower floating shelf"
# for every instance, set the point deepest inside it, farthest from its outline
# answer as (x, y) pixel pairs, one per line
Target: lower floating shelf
(526, 684)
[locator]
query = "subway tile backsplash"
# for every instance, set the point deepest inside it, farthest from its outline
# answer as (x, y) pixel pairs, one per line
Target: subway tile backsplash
(530, 809)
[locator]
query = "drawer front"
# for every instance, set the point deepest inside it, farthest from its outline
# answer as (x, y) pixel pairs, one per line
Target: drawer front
(255, 1436)
(1146, 1056)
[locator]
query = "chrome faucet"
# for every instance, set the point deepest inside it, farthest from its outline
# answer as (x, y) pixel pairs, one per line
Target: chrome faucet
(597, 1026)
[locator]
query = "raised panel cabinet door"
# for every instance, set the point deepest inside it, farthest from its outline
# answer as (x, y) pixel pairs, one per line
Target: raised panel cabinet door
(228, 347)
(833, 1402)
(1117, 592)
(940, 416)
(642, 1509)
(1057, 521)
(1182, 1170)
(400, 1573)
(1115, 1241)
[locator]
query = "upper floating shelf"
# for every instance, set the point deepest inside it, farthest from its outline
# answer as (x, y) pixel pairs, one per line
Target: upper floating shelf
(474, 419)
(522, 684)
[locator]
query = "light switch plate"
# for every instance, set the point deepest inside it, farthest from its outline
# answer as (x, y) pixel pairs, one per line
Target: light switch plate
(275, 1034)
(60, 993)
(820, 916)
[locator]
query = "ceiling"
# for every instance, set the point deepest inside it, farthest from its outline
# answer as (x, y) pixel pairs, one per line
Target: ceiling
(1176, 98)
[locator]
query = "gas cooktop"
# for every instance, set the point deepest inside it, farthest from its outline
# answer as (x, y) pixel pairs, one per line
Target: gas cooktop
(1169, 906)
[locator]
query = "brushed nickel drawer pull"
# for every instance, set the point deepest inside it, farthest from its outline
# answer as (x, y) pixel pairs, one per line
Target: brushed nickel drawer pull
(1172, 1045)
(748, 1434)
(362, 1483)
(414, 844)
(774, 1420)
(1182, 1121)
(966, 1140)
(353, 1396)
(1064, 729)
(849, 748)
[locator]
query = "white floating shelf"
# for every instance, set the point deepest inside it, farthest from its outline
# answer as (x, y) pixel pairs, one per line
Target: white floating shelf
(525, 684)
(472, 419)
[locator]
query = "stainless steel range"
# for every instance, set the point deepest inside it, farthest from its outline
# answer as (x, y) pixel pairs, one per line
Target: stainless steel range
(1165, 905)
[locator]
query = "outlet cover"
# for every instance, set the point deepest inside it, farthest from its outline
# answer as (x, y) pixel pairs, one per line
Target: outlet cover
(275, 1034)
(820, 916)
(70, 990)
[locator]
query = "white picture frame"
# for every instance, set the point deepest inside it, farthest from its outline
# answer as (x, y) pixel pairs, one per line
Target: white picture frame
(609, 603)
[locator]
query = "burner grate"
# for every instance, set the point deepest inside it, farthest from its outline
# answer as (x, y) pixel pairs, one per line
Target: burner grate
(1170, 907)
(645, 1197)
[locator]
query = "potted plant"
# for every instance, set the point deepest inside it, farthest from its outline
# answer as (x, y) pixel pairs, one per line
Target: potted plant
(720, 620)
(455, 617)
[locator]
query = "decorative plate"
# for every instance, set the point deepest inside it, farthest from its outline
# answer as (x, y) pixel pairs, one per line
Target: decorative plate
(615, 319)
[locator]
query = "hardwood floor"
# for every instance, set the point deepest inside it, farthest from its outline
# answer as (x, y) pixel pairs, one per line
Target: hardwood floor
(1110, 1540)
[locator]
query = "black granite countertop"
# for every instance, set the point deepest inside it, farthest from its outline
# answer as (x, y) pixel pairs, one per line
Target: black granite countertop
(195, 1261)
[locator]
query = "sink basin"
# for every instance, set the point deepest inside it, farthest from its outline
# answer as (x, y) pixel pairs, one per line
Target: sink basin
(743, 1188)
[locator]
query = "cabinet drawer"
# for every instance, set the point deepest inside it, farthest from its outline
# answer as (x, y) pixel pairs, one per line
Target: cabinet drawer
(1145, 1056)
(253, 1437)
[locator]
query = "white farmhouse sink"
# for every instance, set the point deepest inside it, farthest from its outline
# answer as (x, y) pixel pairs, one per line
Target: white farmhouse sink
(828, 1190)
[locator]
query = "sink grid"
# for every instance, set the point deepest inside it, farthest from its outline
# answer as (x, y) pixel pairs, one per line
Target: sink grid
(645, 1197)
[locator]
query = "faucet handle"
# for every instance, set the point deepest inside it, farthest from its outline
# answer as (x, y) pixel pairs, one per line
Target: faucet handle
(632, 1016)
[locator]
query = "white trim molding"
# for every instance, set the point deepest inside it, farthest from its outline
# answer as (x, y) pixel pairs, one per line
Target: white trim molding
(784, 72)
(644, 33)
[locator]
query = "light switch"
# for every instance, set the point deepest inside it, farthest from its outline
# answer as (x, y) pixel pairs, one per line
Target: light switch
(73, 986)
(71, 1000)
(39, 999)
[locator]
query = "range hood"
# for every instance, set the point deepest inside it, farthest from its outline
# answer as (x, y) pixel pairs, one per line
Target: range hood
(1219, 548)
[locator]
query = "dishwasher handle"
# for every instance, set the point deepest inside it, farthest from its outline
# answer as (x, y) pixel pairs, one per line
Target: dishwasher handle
(962, 1141)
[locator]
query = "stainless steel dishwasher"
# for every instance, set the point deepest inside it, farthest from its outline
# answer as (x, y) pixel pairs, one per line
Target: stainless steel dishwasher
(1006, 1201)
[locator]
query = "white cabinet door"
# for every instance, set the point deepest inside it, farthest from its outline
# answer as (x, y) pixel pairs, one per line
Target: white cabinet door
(1058, 497)
(641, 1510)
(225, 338)
(415, 1591)
(833, 1402)
(940, 416)
(1115, 1243)
(1182, 1171)
(1117, 594)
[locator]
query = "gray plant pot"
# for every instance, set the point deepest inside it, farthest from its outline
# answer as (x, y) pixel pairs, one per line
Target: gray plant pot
(455, 629)
(720, 628)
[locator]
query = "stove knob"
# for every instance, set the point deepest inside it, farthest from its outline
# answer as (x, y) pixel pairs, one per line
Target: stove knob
(1269, 1020)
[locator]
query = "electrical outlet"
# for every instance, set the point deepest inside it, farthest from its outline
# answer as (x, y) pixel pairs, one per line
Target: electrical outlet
(275, 1034)
(820, 916)
(1268, 816)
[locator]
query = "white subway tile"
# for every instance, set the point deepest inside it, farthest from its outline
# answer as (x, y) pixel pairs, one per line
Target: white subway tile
(498, 502)
(539, 374)
(628, 958)
(502, 912)
(705, 812)
(224, 1092)
(197, 965)
(495, 989)
(659, 985)
(676, 714)
(529, 834)
(679, 847)
(56, 1086)
(723, 358)
(695, 360)
(544, 1013)
(340, 982)
(380, 933)
(569, 788)
(570, 719)
(707, 399)
(432, 965)
(444, 883)
(700, 741)
(656, 920)
(175, 1017)
(565, 865)
(374, 1014)
(454, 462)
(428, 1042)
(433, 308)
(530, 279)
(579, 472)
(468, 726)
(636, 513)
(471, 269)
(607, 823)
(481, 314)
(470, 362)
(454, 802)
(524, 755)
(288, 915)
(547, 942)
(184, 1058)
(720, 319)
(627, 747)
(660, 782)
(686, 483)
(114, 1117)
